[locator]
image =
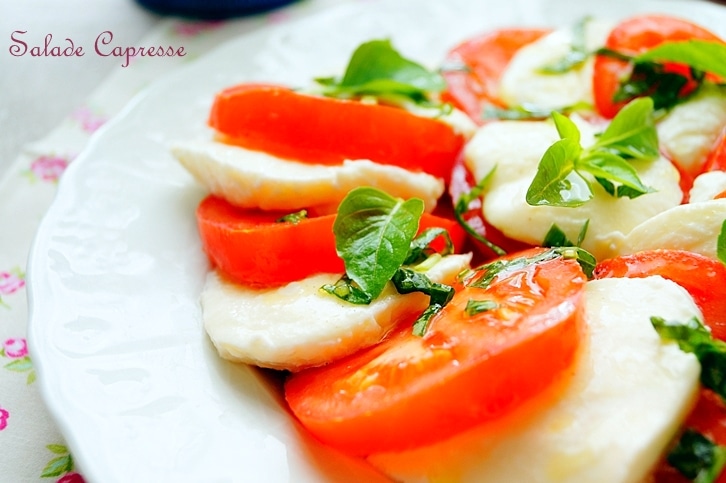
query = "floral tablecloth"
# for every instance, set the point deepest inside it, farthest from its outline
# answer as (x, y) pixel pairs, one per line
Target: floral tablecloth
(31, 446)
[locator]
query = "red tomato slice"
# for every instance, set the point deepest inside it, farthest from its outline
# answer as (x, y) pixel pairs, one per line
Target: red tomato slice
(253, 249)
(322, 130)
(631, 37)
(485, 58)
(716, 160)
(410, 391)
(703, 277)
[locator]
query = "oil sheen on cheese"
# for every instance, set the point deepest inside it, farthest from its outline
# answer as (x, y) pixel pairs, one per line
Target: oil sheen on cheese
(298, 325)
(625, 402)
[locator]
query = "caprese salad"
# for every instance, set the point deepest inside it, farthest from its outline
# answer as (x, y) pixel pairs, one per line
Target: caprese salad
(511, 268)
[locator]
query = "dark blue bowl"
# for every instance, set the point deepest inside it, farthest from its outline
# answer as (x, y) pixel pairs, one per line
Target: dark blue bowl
(211, 9)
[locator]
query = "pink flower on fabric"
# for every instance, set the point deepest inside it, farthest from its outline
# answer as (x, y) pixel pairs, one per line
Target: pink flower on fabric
(89, 121)
(4, 416)
(10, 282)
(49, 168)
(15, 348)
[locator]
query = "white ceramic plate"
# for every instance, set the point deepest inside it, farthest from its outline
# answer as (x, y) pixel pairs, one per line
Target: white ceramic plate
(116, 269)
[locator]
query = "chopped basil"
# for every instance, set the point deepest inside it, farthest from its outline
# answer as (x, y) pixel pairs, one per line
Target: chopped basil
(493, 269)
(560, 179)
(652, 77)
(375, 237)
(474, 307)
(721, 243)
(293, 218)
(697, 458)
(420, 248)
(577, 55)
(463, 205)
(702, 55)
(527, 112)
(407, 281)
(555, 237)
(377, 70)
(693, 337)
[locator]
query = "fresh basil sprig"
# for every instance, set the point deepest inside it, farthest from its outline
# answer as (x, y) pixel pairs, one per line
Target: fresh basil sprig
(693, 337)
(377, 69)
(561, 178)
(702, 55)
(697, 458)
(375, 235)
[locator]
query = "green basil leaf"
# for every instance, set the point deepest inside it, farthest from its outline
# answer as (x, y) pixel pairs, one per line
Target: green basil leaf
(373, 233)
(293, 218)
(693, 337)
(656, 82)
(697, 458)
(612, 168)
(556, 237)
(721, 244)
(420, 248)
(345, 289)
(566, 128)
(556, 182)
(377, 69)
(632, 133)
(703, 55)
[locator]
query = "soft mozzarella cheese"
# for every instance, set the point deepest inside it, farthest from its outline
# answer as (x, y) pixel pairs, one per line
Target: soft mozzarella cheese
(298, 325)
(515, 149)
(691, 128)
(523, 84)
(253, 179)
(694, 227)
(626, 400)
(707, 186)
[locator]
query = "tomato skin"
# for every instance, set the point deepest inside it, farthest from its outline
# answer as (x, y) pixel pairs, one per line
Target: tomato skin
(485, 57)
(716, 160)
(251, 248)
(411, 391)
(704, 279)
(634, 36)
(323, 130)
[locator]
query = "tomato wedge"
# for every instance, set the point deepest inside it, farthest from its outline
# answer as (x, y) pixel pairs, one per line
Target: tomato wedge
(252, 248)
(410, 391)
(716, 160)
(485, 58)
(323, 130)
(631, 37)
(703, 277)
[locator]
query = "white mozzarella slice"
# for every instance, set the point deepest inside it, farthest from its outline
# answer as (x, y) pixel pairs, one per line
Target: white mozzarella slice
(694, 227)
(298, 325)
(516, 147)
(253, 179)
(707, 186)
(690, 129)
(523, 84)
(626, 400)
